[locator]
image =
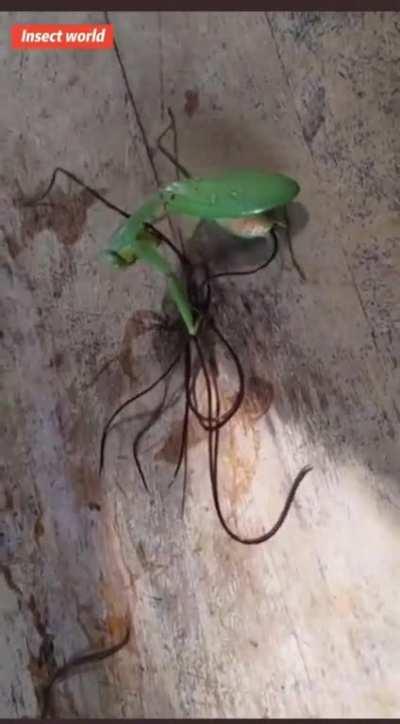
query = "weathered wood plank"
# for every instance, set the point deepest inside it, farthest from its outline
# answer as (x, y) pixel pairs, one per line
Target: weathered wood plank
(306, 625)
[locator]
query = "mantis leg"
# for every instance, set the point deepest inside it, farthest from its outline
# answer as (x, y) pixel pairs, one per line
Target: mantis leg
(146, 252)
(92, 191)
(173, 158)
(177, 292)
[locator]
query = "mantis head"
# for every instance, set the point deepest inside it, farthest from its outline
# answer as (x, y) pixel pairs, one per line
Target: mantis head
(126, 245)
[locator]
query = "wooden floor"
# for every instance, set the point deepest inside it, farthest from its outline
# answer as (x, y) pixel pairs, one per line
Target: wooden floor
(307, 625)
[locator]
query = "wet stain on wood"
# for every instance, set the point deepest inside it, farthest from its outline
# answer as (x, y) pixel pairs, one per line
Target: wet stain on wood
(57, 360)
(86, 483)
(192, 102)
(116, 626)
(6, 500)
(258, 398)
(14, 248)
(6, 571)
(94, 506)
(314, 117)
(39, 624)
(62, 213)
(169, 451)
(240, 459)
(140, 323)
(39, 529)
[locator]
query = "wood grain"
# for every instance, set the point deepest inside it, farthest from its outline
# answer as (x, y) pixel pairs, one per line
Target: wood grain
(308, 624)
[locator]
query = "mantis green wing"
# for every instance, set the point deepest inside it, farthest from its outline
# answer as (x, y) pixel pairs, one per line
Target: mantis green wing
(234, 194)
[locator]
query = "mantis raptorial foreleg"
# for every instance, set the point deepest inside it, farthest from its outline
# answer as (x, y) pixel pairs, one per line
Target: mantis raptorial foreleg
(143, 248)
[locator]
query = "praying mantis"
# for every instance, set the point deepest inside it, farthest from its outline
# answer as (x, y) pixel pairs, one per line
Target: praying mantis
(249, 204)
(241, 201)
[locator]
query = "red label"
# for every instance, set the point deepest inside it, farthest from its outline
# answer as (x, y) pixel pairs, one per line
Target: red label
(62, 37)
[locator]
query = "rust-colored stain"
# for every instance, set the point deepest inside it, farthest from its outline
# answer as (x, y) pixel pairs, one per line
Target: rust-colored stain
(116, 622)
(258, 398)
(241, 463)
(39, 624)
(6, 571)
(87, 485)
(148, 565)
(57, 360)
(116, 626)
(314, 116)
(8, 501)
(14, 248)
(60, 212)
(141, 322)
(192, 102)
(169, 451)
(38, 530)
(257, 401)
(39, 671)
(43, 666)
(94, 506)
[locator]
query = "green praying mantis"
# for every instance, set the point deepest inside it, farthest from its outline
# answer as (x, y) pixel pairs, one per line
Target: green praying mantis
(239, 201)
(247, 203)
